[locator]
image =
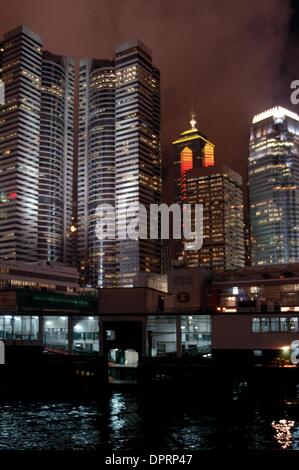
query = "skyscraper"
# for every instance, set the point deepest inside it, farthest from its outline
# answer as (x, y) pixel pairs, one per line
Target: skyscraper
(21, 67)
(55, 204)
(273, 173)
(137, 152)
(119, 160)
(219, 189)
(96, 169)
(36, 134)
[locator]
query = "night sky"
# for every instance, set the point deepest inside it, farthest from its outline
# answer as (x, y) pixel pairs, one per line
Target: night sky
(231, 58)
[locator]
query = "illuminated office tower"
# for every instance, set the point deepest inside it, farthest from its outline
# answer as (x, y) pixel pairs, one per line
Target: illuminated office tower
(36, 139)
(273, 173)
(191, 150)
(137, 153)
(56, 159)
(219, 189)
(21, 66)
(96, 169)
(119, 161)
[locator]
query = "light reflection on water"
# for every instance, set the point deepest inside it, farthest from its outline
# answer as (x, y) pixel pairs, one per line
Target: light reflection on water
(283, 432)
(128, 421)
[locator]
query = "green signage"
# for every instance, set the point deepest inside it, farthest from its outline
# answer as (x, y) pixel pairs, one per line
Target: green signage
(54, 301)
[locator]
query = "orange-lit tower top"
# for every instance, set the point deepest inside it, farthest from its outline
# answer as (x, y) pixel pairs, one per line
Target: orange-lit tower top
(191, 150)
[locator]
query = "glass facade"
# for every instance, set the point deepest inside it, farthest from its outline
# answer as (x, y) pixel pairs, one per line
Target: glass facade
(137, 153)
(56, 159)
(36, 148)
(275, 325)
(196, 334)
(15, 327)
(119, 161)
(20, 69)
(273, 173)
(219, 190)
(56, 332)
(96, 170)
(86, 334)
(161, 336)
(165, 335)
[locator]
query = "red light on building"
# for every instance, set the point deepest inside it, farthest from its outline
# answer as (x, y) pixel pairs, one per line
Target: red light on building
(12, 196)
(186, 164)
(186, 160)
(208, 155)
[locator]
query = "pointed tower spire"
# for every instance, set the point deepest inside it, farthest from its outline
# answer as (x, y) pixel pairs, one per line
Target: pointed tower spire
(193, 120)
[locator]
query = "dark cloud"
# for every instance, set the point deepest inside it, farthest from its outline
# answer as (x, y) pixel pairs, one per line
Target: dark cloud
(231, 58)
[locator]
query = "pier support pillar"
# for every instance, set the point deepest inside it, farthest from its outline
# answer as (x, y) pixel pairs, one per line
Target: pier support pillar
(178, 337)
(41, 330)
(101, 336)
(70, 334)
(144, 338)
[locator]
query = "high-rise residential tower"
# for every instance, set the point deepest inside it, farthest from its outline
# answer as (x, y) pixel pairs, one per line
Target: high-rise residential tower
(21, 69)
(273, 174)
(119, 161)
(55, 205)
(36, 134)
(96, 169)
(219, 189)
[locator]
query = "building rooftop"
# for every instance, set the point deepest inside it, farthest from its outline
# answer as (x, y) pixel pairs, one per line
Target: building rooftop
(40, 266)
(130, 44)
(262, 272)
(22, 30)
(275, 112)
(218, 169)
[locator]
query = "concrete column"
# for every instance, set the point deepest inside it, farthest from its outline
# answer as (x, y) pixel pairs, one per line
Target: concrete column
(178, 336)
(144, 338)
(41, 330)
(70, 334)
(101, 336)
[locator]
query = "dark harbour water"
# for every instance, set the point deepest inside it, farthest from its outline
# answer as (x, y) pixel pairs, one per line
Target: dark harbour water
(129, 421)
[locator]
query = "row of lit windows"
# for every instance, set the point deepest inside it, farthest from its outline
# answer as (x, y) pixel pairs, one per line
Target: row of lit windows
(47, 276)
(274, 325)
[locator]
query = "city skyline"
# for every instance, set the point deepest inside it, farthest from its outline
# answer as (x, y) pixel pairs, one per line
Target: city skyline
(253, 74)
(149, 232)
(112, 120)
(118, 143)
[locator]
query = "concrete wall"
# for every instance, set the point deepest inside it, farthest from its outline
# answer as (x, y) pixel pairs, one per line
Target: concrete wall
(133, 300)
(8, 301)
(187, 287)
(235, 332)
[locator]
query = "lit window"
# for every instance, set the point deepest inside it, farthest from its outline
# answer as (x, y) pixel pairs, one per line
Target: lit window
(254, 290)
(255, 325)
(293, 323)
(283, 324)
(265, 325)
(274, 324)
